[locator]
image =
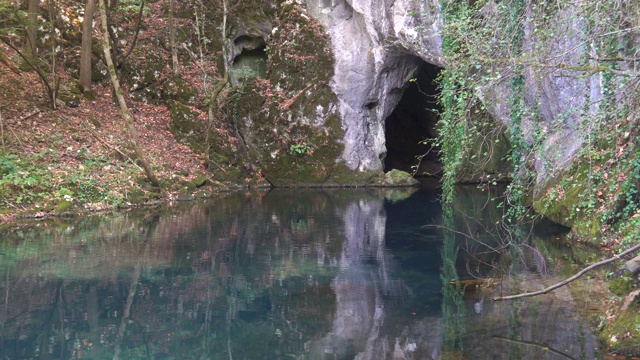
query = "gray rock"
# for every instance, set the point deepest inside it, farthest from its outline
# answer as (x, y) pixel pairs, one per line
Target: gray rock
(378, 48)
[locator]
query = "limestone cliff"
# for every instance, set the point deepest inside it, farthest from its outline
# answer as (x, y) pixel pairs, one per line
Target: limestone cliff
(325, 108)
(379, 45)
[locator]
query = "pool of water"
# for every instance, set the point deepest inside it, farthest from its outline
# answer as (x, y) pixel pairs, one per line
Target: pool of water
(286, 274)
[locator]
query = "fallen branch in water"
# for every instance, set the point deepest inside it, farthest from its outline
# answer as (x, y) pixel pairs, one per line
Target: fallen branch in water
(544, 347)
(566, 281)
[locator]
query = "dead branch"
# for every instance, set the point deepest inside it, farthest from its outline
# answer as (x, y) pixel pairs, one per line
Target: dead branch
(50, 91)
(29, 115)
(566, 281)
(4, 59)
(534, 344)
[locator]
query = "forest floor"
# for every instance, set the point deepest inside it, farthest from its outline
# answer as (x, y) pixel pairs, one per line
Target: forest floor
(77, 158)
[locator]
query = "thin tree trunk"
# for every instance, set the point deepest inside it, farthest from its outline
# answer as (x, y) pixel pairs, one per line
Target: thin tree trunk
(55, 82)
(172, 39)
(85, 49)
(2, 131)
(128, 117)
(33, 8)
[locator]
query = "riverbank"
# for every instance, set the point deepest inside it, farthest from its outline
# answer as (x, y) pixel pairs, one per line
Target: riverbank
(77, 159)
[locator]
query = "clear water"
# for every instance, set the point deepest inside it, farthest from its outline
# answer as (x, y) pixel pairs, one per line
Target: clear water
(284, 274)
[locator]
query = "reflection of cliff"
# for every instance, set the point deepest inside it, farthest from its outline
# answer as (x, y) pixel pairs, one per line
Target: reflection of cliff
(326, 274)
(363, 273)
(361, 328)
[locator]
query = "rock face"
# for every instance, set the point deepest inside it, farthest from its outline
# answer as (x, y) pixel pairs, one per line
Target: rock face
(379, 45)
(378, 48)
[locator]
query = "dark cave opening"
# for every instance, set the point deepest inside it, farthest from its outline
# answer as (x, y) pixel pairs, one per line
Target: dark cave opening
(250, 60)
(411, 123)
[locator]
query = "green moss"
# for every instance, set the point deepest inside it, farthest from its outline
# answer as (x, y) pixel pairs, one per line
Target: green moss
(63, 206)
(566, 202)
(177, 89)
(200, 180)
(185, 194)
(203, 193)
(616, 333)
(399, 178)
(621, 285)
(137, 196)
(185, 126)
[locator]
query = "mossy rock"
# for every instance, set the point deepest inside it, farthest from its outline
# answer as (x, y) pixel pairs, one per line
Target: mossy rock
(616, 333)
(64, 206)
(203, 193)
(137, 196)
(563, 202)
(177, 89)
(400, 178)
(293, 136)
(200, 180)
(143, 72)
(185, 194)
(187, 184)
(622, 285)
(185, 126)
(69, 99)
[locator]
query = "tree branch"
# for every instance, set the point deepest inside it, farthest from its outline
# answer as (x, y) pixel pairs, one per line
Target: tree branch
(135, 37)
(50, 91)
(566, 281)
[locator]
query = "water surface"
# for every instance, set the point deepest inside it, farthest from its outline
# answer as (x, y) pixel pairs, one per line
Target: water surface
(284, 274)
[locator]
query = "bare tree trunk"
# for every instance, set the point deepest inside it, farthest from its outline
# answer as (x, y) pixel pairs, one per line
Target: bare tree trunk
(131, 130)
(2, 131)
(223, 39)
(54, 80)
(85, 49)
(172, 39)
(33, 8)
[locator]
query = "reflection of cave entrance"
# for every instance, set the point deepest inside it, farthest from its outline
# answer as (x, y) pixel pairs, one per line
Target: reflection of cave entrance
(411, 122)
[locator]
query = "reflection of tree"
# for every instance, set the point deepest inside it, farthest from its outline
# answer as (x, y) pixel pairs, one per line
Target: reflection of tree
(453, 308)
(133, 286)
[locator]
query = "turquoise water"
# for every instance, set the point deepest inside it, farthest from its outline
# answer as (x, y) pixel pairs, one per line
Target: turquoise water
(283, 274)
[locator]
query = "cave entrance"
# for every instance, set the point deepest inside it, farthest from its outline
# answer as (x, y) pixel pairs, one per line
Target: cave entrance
(250, 60)
(412, 122)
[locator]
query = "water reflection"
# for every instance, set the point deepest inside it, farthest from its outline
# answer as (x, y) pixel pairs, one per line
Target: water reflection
(333, 274)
